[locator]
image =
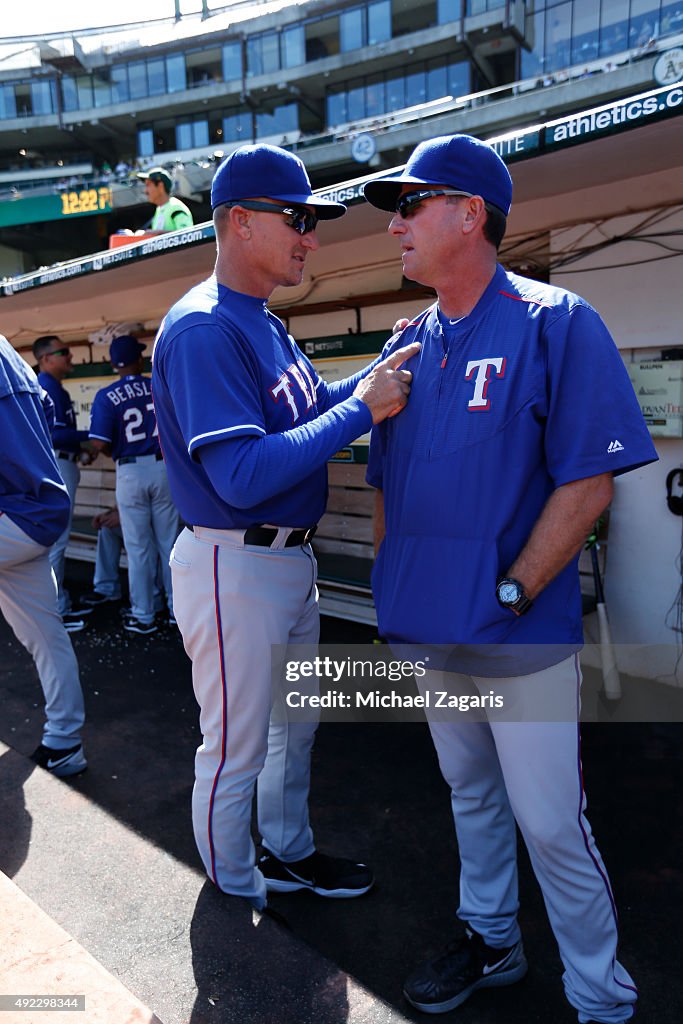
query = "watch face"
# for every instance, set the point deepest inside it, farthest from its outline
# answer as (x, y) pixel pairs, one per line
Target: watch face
(508, 593)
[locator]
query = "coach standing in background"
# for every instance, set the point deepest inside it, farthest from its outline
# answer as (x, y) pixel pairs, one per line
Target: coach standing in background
(489, 483)
(34, 509)
(124, 426)
(247, 427)
(171, 213)
(54, 363)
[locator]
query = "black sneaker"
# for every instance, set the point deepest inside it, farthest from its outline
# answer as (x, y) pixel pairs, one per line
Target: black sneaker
(335, 877)
(79, 611)
(134, 625)
(446, 981)
(94, 599)
(61, 763)
(73, 623)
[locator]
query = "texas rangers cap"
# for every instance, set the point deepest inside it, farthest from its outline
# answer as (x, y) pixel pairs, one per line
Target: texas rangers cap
(125, 350)
(157, 174)
(253, 171)
(460, 161)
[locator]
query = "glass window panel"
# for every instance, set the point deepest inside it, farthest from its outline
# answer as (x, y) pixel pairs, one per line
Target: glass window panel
(336, 108)
(396, 93)
(279, 121)
(270, 52)
(351, 36)
(557, 34)
(69, 94)
(437, 82)
(137, 79)
(200, 132)
(644, 21)
(119, 83)
(164, 136)
(459, 82)
(379, 22)
(232, 61)
(355, 103)
(204, 66)
(156, 77)
(184, 138)
(22, 98)
(176, 75)
(585, 28)
(237, 126)
(614, 26)
(8, 107)
(43, 97)
(254, 56)
(293, 47)
(101, 88)
(534, 59)
(447, 11)
(84, 89)
(145, 141)
(374, 96)
(672, 18)
(416, 87)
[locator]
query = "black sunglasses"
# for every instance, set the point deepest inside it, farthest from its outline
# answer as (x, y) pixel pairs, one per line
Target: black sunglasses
(408, 203)
(300, 219)
(58, 352)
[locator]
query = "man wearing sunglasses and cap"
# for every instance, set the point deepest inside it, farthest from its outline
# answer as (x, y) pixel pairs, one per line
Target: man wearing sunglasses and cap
(247, 426)
(520, 415)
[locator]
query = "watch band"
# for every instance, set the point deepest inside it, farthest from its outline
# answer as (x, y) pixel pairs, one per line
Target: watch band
(522, 604)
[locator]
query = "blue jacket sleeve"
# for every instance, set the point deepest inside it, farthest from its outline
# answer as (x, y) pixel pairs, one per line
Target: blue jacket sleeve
(246, 471)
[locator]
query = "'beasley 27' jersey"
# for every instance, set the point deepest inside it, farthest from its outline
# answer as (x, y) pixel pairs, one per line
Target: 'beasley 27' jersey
(123, 416)
(525, 394)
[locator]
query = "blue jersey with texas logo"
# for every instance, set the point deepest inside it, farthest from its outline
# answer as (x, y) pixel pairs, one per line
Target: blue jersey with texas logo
(225, 367)
(525, 394)
(123, 415)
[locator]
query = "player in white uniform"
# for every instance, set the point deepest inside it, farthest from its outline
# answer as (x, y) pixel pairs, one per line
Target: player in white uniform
(518, 396)
(247, 426)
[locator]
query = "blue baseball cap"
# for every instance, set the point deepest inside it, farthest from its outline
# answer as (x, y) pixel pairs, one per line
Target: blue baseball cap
(460, 161)
(253, 171)
(125, 350)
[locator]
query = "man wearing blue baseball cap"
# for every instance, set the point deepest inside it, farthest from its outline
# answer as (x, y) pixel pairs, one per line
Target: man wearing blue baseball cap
(123, 425)
(247, 427)
(488, 484)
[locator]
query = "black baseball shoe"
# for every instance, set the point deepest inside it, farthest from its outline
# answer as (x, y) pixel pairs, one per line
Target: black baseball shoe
(133, 625)
(61, 763)
(335, 877)
(447, 980)
(94, 599)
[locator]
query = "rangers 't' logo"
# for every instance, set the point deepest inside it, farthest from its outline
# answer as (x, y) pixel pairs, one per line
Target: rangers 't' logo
(483, 367)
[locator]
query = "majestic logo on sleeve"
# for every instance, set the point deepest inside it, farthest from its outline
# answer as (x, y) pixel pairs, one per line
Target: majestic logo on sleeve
(295, 381)
(481, 371)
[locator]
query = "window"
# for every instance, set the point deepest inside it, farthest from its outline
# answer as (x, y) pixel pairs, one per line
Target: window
(279, 121)
(407, 16)
(137, 79)
(379, 22)
(192, 133)
(613, 26)
(176, 75)
(263, 54)
(447, 11)
(557, 34)
(336, 108)
(22, 98)
(237, 126)
(416, 87)
(84, 90)
(374, 96)
(355, 103)
(119, 83)
(293, 47)
(8, 106)
(156, 77)
(204, 66)
(322, 38)
(164, 135)
(585, 31)
(69, 94)
(351, 30)
(145, 140)
(437, 81)
(232, 61)
(43, 96)
(396, 93)
(459, 80)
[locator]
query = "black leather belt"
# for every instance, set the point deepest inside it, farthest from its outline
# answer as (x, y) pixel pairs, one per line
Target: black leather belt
(134, 458)
(67, 456)
(263, 536)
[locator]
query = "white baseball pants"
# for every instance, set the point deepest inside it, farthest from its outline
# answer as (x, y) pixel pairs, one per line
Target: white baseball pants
(232, 603)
